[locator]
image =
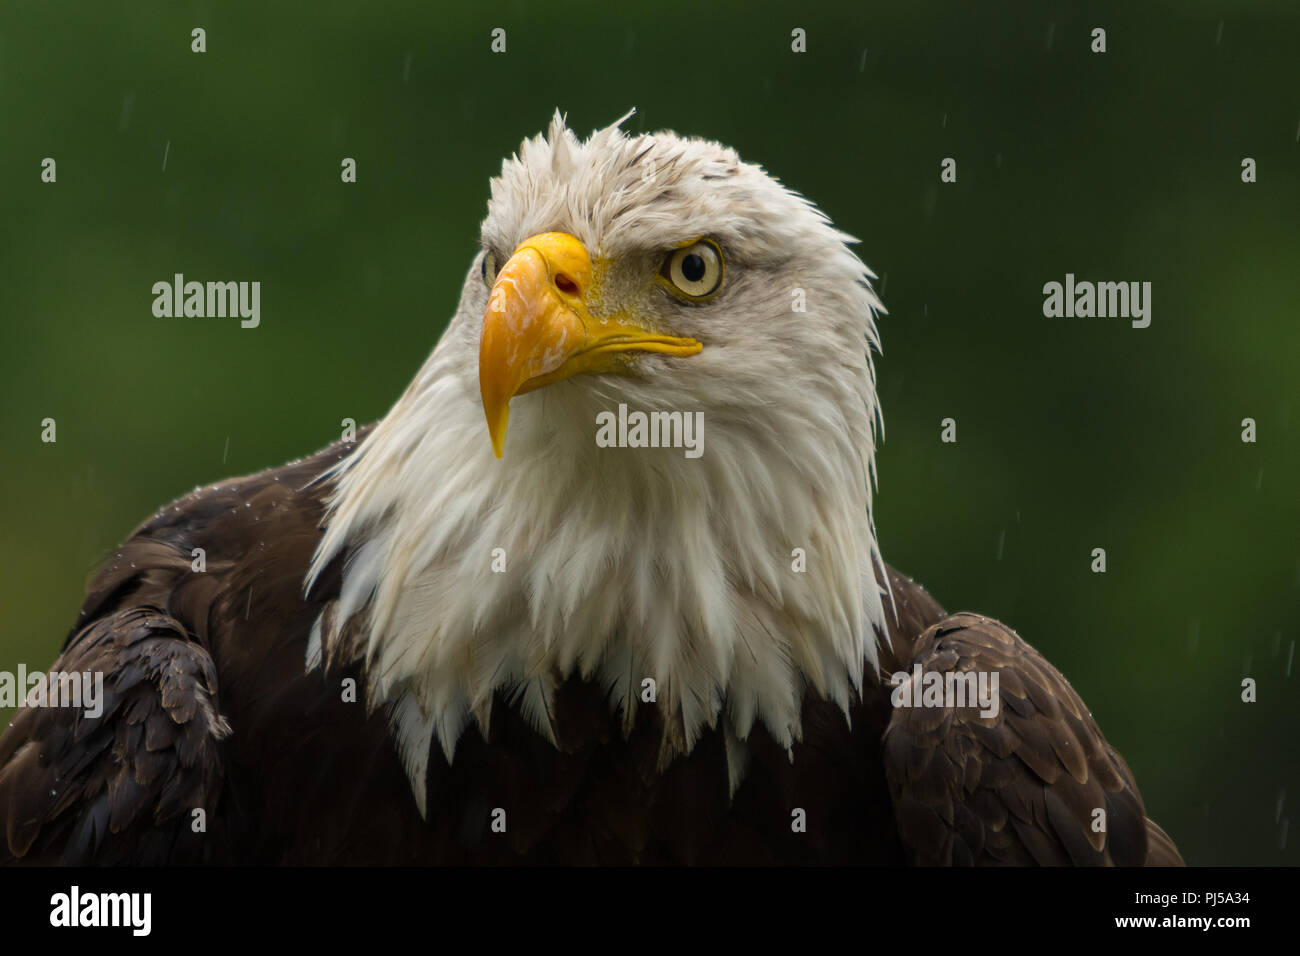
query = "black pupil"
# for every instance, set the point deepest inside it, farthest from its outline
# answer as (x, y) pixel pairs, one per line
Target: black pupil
(693, 267)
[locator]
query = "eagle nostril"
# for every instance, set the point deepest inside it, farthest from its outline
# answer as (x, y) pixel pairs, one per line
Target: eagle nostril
(565, 284)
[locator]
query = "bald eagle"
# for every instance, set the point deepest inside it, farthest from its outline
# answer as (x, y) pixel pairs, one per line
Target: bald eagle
(602, 587)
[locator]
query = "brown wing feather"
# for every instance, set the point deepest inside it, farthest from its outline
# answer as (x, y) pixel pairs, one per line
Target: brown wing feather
(121, 787)
(1020, 787)
(117, 787)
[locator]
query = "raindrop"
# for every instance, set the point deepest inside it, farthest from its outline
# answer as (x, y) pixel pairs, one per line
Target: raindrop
(1281, 801)
(406, 68)
(166, 149)
(1218, 37)
(1051, 33)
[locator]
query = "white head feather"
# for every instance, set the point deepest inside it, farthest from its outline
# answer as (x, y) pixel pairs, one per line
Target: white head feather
(629, 563)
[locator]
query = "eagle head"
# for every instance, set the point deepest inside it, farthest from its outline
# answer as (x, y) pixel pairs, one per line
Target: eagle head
(506, 528)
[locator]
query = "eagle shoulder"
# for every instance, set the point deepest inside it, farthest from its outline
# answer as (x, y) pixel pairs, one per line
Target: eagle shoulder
(120, 785)
(1036, 783)
(205, 591)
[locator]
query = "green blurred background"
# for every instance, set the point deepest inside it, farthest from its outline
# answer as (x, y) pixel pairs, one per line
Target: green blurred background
(1073, 433)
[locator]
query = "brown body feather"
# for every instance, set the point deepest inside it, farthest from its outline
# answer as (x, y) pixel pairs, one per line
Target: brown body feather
(209, 707)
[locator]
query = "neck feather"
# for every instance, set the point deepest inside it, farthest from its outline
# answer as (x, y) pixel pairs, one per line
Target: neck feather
(736, 582)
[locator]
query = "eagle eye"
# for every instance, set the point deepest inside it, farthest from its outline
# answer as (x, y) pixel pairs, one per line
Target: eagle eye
(695, 270)
(489, 268)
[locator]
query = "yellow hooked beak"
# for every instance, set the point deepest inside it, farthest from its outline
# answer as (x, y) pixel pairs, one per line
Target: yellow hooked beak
(537, 330)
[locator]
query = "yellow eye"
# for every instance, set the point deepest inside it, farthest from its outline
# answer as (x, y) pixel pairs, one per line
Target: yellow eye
(489, 268)
(696, 270)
